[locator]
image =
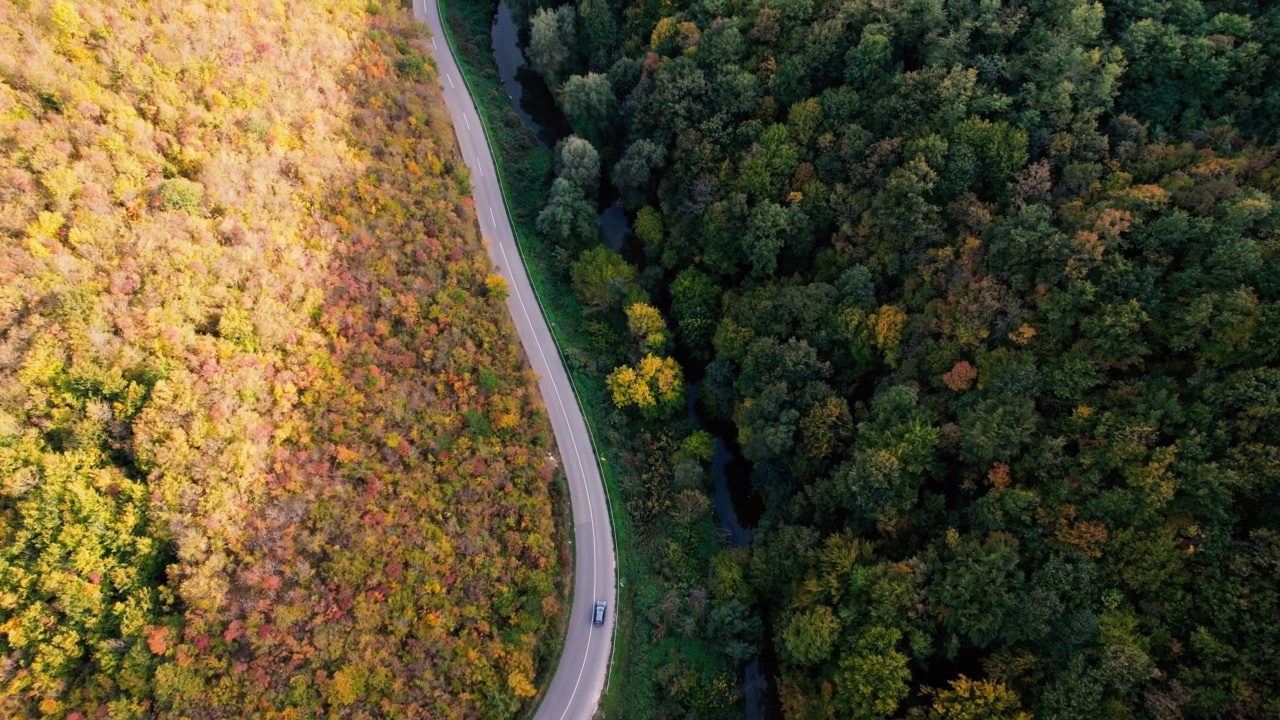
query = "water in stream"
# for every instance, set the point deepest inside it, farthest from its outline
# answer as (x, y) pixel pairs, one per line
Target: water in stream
(614, 227)
(738, 508)
(537, 109)
(733, 502)
(736, 504)
(529, 95)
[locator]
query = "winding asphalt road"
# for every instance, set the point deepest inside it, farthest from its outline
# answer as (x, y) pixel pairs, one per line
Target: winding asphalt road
(580, 677)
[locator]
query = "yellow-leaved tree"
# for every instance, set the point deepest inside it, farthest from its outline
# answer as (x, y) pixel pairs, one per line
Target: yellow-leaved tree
(654, 386)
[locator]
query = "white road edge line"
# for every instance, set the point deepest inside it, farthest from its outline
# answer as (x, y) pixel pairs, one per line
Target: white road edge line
(581, 472)
(559, 401)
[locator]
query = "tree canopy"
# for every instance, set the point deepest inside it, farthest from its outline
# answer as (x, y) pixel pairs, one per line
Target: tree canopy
(268, 447)
(989, 295)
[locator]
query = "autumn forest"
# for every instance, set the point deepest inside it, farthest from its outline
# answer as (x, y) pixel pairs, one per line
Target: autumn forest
(981, 296)
(985, 295)
(268, 444)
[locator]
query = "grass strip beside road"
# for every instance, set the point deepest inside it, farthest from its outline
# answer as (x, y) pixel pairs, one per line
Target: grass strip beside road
(523, 167)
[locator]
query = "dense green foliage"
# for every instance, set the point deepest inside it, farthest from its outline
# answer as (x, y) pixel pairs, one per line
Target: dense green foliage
(662, 612)
(990, 295)
(268, 447)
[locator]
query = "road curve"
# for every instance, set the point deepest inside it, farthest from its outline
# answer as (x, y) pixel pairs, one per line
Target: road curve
(580, 677)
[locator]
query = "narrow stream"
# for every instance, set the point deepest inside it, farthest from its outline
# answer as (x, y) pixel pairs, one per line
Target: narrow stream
(529, 95)
(614, 227)
(506, 50)
(537, 109)
(754, 684)
(738, 508)
(736, 505)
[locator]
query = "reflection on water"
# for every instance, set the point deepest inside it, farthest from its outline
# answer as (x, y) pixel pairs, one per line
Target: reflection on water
(724, 498)
(736, 503)
(506, 50)
(614, 227)
(529, 95)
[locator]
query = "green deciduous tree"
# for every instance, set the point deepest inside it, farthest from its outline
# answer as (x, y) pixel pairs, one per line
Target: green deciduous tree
(602, 279)
(695, 306)
(808, 637)
(599, 33)
(552, 38)
(735, 631)
(871, 676)
(588, 103)
(982, 588)
(996, 429)
(767, 229)
(579, 163)
(648, 227)
(633, 175)
(569, 219)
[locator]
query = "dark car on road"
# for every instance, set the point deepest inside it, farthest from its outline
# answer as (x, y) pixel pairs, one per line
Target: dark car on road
(597, 618)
